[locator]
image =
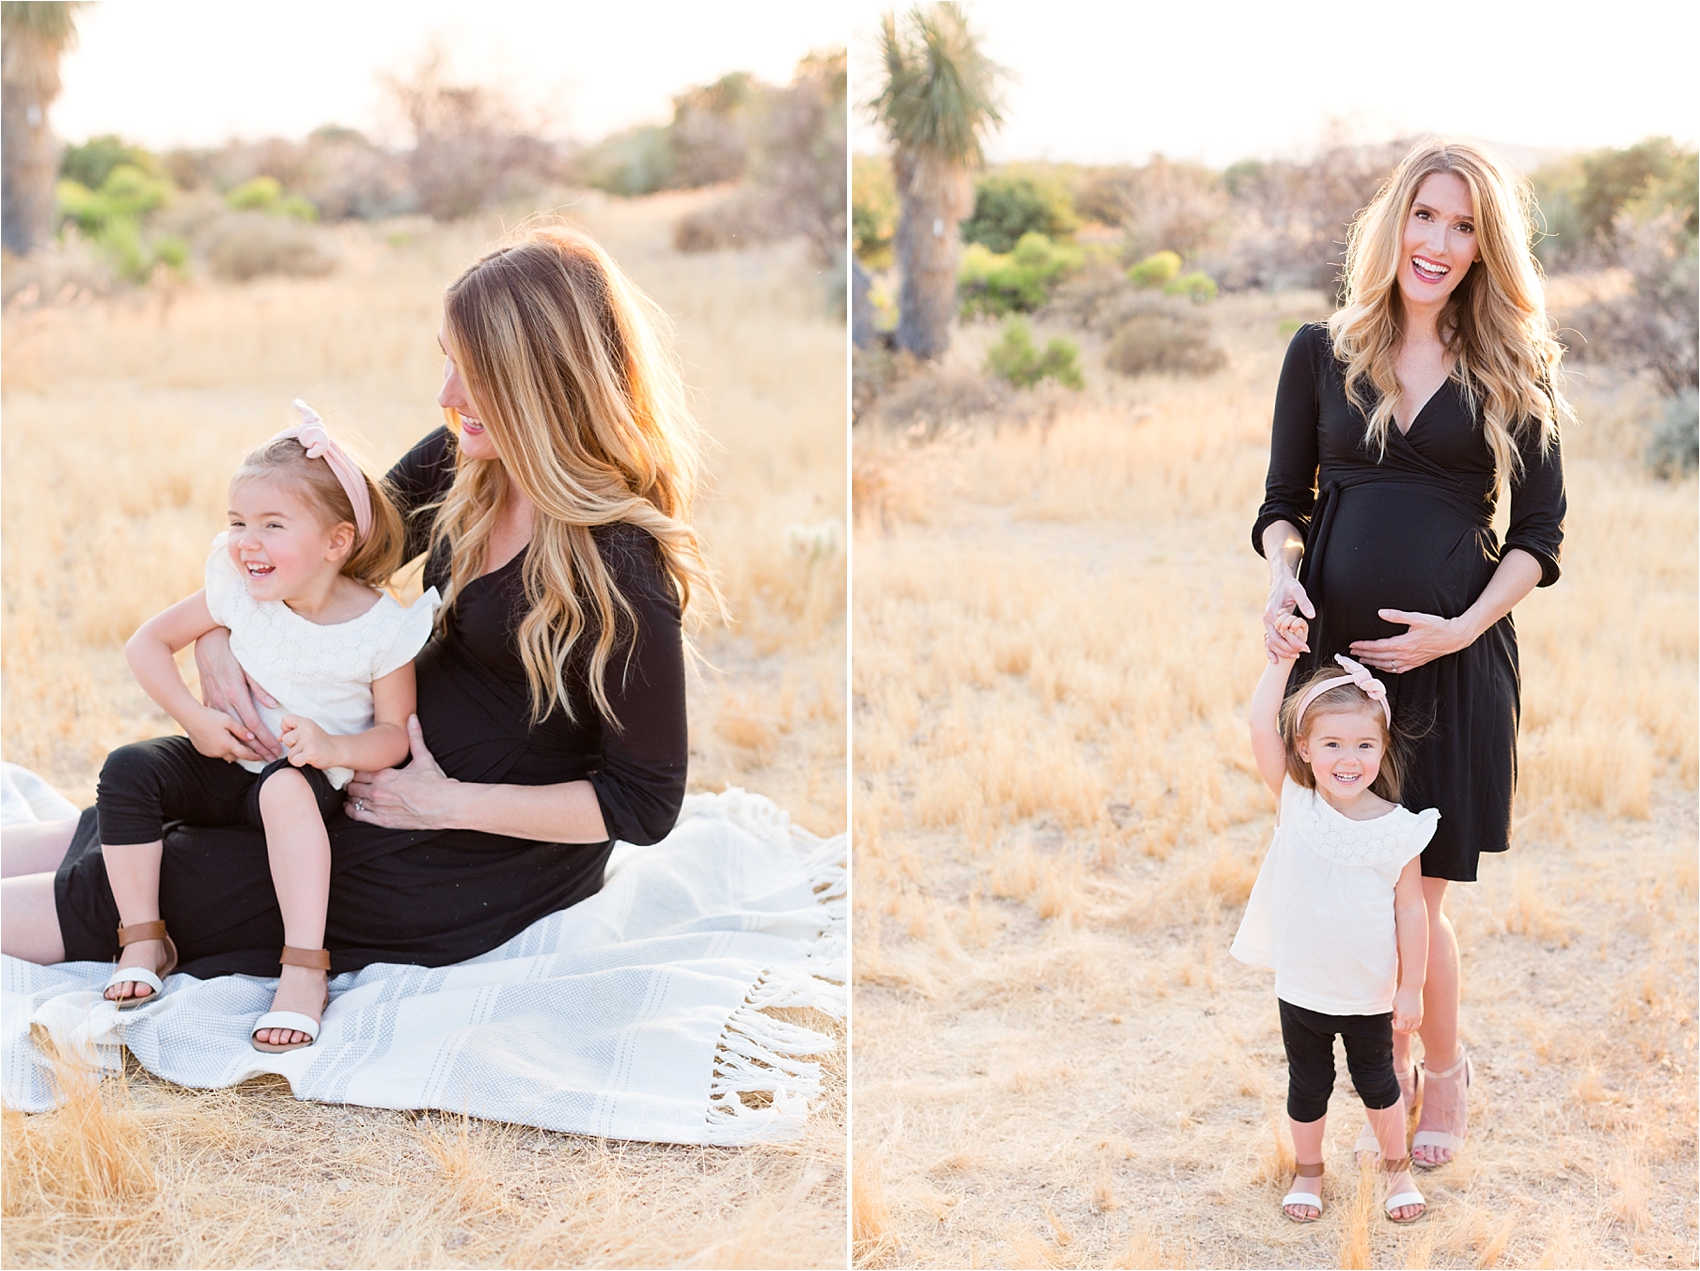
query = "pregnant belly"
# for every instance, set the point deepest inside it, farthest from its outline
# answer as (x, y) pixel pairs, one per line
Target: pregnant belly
(1399, 547)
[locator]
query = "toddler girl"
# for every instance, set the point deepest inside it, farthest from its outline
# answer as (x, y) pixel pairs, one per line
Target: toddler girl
(295, 579)
(1337, 909)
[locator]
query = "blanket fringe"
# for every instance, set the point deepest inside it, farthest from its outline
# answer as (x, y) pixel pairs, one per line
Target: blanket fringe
(768, 1058)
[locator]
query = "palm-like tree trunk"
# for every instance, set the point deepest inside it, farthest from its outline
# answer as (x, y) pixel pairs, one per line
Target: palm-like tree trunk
(935, 198)
(31, 40)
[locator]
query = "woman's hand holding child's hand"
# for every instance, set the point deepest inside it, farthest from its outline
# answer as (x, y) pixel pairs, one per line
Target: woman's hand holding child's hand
(217, 736)
(308, 745)
(1289, 638)
(1407, 1009)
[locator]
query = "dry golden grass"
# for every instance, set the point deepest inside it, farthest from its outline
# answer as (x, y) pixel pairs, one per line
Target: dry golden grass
(1057, 826)
(123, 421)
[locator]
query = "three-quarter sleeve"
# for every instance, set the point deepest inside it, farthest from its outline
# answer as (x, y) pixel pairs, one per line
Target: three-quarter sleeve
(1538, 505)
(418, 481)
(1289, 491)
(640, 781)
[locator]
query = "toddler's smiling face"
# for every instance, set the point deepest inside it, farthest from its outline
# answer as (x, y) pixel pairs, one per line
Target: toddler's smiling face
(279, 541)
(1344, 750)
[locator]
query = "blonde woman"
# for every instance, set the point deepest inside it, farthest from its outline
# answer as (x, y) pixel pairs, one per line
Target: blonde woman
(1398, 424)
(554, 512)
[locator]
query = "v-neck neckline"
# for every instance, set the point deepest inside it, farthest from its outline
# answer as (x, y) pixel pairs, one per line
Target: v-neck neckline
(1427, 402)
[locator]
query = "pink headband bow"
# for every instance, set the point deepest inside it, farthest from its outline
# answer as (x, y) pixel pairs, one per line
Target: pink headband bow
(1356, 673)
(318, 445)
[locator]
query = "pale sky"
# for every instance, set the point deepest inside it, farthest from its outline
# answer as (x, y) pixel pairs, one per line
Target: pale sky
(197, 72)
(1221, 80)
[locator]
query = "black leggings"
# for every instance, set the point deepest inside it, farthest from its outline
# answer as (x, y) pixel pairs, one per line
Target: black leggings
(149, 784)
(1309, 1039)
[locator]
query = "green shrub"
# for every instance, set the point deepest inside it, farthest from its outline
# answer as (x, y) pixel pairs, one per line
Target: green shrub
(92, 162)
(1198, 285)
(1018, 282)
(873, 209)
(265, 194)
(113, 217)
(1675, 447)
(1015, 359)
(1007, 207)
(1163, 342)
(1156, 270)
(128, 193)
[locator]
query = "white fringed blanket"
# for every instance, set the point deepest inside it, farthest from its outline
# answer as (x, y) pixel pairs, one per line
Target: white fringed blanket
(639, 1013)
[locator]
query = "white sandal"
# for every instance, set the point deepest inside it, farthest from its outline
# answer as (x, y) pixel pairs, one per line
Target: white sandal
(135, 933)
(313, 960)
(1300, 1196)
(1457, 1117)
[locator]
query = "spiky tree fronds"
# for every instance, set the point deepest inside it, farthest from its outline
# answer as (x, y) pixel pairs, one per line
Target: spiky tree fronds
(942, 95)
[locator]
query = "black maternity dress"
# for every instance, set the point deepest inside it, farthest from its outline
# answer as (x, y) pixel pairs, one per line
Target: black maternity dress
(1413, 531)
(433, 897)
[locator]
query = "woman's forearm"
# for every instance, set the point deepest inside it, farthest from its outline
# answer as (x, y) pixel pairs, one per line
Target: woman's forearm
(564, 813)
(1283, 545)
(1516, 577)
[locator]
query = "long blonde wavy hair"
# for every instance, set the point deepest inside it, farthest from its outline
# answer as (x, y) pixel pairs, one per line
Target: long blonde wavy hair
(567, 364)
(1495, 321)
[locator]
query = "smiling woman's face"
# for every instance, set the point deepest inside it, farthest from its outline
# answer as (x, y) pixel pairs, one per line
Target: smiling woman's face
(475, 441)
(1439, 244)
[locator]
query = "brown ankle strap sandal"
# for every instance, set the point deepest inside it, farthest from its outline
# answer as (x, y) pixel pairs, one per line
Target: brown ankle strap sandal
(1404, 1199)
(294, 1021)
(154, 980)
(1304, 1194)
(312, 959)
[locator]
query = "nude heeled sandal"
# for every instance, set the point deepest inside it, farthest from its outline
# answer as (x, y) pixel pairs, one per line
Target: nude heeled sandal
(1304, 1193)
(313, 960)
(135, 933)
(1454, 1114)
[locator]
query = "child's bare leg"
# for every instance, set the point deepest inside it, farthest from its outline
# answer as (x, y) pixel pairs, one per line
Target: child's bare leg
(1389, 1127)
(133, 871)
(300, 855)
(1307, 1150)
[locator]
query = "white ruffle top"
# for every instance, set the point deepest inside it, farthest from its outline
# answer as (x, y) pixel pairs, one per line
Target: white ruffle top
(1321, 911)
(324, 672)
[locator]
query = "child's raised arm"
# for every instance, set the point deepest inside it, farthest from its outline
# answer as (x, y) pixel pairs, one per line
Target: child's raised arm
(1266, 744)
(150, 654)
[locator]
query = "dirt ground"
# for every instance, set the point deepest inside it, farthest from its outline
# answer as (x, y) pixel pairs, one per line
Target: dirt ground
(1056, 1061)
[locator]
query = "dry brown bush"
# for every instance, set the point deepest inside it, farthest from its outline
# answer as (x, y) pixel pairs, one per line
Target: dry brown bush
(245, 245)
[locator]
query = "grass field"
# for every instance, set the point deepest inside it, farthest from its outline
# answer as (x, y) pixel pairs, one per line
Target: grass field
(124, 419)
(1056, 633)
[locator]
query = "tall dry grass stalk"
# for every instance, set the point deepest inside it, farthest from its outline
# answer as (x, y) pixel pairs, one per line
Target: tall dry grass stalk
(124, 420)
(1057, 826)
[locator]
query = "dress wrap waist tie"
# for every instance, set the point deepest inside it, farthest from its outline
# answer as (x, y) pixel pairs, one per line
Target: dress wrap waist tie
(1472, 509)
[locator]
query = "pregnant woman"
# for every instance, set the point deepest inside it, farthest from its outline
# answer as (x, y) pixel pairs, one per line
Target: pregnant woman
(554, 515)
(1397, 425)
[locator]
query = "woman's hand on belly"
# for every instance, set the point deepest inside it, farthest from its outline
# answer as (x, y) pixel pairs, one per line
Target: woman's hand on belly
(417, 797)
(1428, 636)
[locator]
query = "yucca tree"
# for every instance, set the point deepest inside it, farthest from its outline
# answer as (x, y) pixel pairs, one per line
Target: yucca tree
(32, 36)
(942, 95)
